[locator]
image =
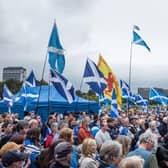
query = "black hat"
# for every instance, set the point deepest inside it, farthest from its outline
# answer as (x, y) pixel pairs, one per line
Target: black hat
(62, 150)
(13, 156)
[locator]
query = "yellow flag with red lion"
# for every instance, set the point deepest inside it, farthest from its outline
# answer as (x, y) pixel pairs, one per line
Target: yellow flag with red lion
(111, 80)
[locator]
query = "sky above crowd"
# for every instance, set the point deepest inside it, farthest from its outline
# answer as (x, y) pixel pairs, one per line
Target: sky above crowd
(86, 29)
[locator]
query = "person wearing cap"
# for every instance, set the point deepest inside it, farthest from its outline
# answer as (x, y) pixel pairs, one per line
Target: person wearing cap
(14, 159)
(62, 155)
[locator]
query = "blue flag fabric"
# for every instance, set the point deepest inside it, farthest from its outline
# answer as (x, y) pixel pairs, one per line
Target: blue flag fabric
(139, 41)
(26, 96)
(7, 96)
(63, 86)
(31, 80)
(94, 78)
(125, 89)
(126, 92)
(140, 100)
(158, 96)
(56, 52)
(114, 106)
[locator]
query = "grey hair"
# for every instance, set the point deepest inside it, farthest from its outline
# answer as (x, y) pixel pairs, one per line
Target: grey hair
(145, 137)
(110, 149)
(152, 123)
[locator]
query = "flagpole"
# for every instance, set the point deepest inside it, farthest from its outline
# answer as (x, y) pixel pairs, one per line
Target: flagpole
(130, 71)
(42, 78)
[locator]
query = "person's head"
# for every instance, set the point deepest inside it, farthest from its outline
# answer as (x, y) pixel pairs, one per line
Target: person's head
(9, 146)
(111, 152)
(103, 124)
(85, 121)
(126, 143)
(147, 140)
(131, 162)
(89, 147)
(33, 123)
(7, 128)
(126, 121)
(33, 135)
(51, 119)
(14, 159)
(54, 127)
(67, 134)
(38, 118)
(63, 153)
(153, 125)
(18, 138)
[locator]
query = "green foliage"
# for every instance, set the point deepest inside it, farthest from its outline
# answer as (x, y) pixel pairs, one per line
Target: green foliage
(13, 85)
(90, 95)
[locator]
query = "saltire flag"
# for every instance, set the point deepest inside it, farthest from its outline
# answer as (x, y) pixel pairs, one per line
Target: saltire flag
(26, 95)
(56, 51)
(94, 78)
(139, 41)
(158, 96)
(7, 96)
(140, 100)
(111, 81)
(114, 106)
(125, 89)
(31, 80)
(63, 86)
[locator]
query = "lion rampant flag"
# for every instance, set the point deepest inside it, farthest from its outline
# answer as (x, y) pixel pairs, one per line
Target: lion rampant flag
(111, 80)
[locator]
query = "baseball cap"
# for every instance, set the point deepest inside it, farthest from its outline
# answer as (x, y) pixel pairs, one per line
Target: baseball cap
(13, 156)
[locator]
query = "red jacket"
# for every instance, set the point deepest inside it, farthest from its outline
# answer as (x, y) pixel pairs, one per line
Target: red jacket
(49, 140)
(83, 133)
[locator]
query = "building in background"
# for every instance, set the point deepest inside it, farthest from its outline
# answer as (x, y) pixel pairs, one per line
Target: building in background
(15, 73)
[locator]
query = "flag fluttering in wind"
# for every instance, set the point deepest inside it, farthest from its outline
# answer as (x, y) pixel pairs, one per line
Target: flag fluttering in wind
(31, 80)
(56, 51)
(140, 100)
(94, 78)
(26, 95)
(158, 96)
(111, 81)
(138, 40)
(114, 106)
(63, 86)
(7, 96)
(125, 89)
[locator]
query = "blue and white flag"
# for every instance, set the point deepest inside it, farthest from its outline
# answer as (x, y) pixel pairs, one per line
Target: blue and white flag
(125, 89)
(31, 80)
(63, 86)
(7, 96)
(56, 51)
(139, 41)
(94, 78)
(158, 96)
(26, 95)
(140, 100)
(114, 105)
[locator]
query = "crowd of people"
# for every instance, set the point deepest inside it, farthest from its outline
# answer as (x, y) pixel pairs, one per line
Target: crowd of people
(133, 140)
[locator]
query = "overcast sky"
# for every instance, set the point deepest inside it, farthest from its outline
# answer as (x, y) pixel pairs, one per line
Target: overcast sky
(87, 28)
